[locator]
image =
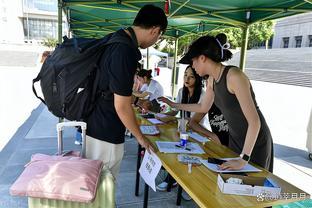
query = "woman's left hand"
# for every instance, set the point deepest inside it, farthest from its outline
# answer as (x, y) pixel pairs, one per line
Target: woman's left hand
(236, 164)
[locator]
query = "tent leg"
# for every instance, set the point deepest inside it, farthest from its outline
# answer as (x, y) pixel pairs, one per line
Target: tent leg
(174, 70)
(242, 62)
(60, 21)
(147, 58)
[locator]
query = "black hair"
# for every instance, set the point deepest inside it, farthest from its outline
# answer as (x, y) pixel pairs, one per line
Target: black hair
(197, 90)
(151, 16)
(145, 73)
(212, 47)
(226, 53)
(139, 66)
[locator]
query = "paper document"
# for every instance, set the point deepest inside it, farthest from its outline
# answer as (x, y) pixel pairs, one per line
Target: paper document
(160, 115)
(174, 147)
(155, 121)
(198, 137)
(215, 168)
(149, 130)
(149, 169)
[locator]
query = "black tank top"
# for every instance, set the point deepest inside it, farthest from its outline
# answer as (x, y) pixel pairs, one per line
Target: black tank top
(218, 124)
(237, 123)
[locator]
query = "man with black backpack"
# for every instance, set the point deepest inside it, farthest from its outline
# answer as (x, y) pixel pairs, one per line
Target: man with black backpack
(113, 110)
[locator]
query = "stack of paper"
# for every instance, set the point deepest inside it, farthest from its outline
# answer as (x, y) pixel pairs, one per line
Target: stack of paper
(198, 137)
(174, 147)
(149, 130)
(161, 115)
(155, 121)
(215, 168)
(165, 118)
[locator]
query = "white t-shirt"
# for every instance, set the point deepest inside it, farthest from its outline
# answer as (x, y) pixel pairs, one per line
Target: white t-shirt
(143, 87)
(155, 89)
(204, 121)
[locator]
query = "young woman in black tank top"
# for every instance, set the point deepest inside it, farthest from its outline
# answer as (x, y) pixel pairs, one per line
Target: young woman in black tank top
(230, 90)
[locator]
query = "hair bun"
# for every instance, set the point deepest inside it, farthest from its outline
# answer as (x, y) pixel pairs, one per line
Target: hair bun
(222, 38)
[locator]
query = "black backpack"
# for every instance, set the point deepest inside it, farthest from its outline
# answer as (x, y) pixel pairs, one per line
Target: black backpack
(69, 76)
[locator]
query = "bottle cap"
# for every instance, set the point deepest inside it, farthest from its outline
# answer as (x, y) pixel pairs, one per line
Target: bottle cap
(184, 135)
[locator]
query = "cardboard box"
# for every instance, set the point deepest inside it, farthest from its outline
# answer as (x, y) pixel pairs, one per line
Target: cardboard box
(252, 186)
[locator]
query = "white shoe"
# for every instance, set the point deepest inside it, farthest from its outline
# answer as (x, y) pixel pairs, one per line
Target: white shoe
(185, 196)
(78, 143)
(162, 186)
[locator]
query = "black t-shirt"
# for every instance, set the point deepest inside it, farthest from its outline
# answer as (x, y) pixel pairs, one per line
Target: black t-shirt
(117, 68)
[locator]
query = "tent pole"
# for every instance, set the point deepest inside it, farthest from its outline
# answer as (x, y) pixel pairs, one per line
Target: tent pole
(174, 70)
(68, 22)
(60, 21)
(242, 62)
(147, 58)
(59, 25)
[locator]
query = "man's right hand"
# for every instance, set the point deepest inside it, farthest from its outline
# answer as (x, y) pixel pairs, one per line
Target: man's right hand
(146, 144)
(126, 114)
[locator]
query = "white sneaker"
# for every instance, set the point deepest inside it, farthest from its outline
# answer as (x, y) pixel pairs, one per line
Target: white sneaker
(162, 186)
(185, 196)
(78, 143)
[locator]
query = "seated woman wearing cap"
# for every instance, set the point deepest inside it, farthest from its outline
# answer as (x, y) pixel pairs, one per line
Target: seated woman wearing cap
(230, 90)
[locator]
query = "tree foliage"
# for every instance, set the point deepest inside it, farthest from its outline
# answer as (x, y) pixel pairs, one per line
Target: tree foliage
(50, 42)
(258, 33)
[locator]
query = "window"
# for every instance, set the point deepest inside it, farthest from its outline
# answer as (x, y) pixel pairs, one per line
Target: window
(298, 41)
(41, 5)
(40, 28)
(46, 5)
(285, 42)
(310, 40)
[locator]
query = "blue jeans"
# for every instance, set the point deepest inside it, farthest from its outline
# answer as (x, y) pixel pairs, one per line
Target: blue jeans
(78, 137)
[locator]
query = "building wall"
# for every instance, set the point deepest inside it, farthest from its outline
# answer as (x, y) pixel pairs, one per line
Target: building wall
(39, 15)
(290, 27)
(11, 26)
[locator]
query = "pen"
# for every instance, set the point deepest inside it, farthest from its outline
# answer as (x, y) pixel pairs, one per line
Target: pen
(183, 148)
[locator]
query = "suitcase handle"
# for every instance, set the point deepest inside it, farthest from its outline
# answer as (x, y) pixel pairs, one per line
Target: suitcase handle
(60, 126)
(59, 129)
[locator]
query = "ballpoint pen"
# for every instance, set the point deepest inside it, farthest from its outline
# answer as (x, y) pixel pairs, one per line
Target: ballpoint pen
(188, 149)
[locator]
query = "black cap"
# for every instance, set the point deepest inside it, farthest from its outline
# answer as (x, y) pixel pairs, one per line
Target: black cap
(186, 59)
(205, 45)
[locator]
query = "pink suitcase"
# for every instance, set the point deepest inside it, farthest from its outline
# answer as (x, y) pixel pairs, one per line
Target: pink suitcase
(65, 179)
(68, 178)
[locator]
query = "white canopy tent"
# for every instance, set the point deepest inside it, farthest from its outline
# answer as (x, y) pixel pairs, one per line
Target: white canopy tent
(155, 57)
(153, 51)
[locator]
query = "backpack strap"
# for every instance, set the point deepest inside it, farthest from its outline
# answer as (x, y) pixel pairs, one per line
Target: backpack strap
(133, 36)
(34, 90)
(113, 39)
(124, 40)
